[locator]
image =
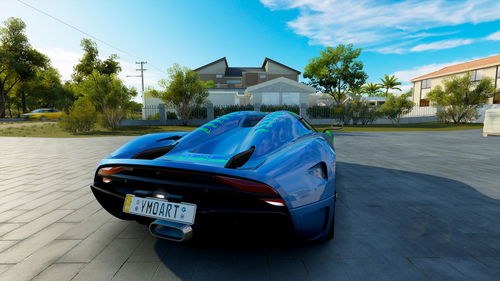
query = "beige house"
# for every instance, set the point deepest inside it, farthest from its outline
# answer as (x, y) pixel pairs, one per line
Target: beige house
(272, 83)
(485, 67)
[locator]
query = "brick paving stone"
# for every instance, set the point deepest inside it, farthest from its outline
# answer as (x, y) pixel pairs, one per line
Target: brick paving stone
(88, 226)
(34, 242)
(38, 261)
(133, 271)
(109, 261)
(8, 227)
(91, 246)
(60, 272)
(36, 225)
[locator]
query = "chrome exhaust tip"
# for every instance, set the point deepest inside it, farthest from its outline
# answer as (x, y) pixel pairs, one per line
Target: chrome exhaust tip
(171, 230)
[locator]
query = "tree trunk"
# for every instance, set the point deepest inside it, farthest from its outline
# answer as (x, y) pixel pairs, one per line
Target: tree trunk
(2, 102)
(23, 99)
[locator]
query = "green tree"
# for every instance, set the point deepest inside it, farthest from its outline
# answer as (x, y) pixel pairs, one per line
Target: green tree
(183, 89)
(461, 98)
(372, 89)
(395, 107)
(18, 60)
(110, 97)
(43, 90)
(390, 83)
(90, 61)
(336, 71)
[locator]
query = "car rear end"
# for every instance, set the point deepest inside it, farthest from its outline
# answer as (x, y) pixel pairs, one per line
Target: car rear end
(215, 197)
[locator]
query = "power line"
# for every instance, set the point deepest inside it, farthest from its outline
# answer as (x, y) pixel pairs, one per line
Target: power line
(83, 32)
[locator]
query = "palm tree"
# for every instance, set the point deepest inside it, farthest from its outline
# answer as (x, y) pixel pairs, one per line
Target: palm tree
(390, 83)
(372, 89)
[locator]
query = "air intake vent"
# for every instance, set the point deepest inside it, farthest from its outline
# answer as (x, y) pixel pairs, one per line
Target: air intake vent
(240, 159)
(154, 152)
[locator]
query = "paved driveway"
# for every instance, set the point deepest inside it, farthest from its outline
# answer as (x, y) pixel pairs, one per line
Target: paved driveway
(413, 206)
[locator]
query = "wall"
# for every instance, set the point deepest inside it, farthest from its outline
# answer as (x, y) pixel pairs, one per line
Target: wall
(280, 88)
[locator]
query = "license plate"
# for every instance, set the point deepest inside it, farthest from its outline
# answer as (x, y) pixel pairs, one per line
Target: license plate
(160, 209)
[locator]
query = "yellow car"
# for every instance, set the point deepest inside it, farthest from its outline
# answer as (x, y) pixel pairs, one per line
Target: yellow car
(43, 114)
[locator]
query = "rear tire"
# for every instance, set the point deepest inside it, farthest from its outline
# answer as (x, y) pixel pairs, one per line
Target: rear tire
(331, 232)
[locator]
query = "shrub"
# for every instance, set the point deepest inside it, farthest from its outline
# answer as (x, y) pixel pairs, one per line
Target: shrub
(111, 116)
(395, 107)
(287, 107)
(322, 112)
(457, 114)
(362, 112)
(198, 112)
(225, 109)
(171, 115)
(155, 116)
(81, 118)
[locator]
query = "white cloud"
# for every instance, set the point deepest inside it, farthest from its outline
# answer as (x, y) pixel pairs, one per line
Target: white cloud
(373, 23)
(440, 45)
(494, 36)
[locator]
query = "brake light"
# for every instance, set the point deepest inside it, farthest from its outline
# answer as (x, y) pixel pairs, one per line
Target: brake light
(247, 185)
(108, 171)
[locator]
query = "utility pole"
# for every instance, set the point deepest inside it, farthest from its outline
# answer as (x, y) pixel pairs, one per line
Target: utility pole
(142, 69)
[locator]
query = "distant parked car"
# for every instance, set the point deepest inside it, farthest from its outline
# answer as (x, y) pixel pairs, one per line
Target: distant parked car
(43, 114)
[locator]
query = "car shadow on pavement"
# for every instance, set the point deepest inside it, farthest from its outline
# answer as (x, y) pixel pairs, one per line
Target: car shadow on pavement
(390, 225)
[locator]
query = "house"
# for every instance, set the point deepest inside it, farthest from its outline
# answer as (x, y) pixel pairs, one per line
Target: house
(272, 83)
(485, 67)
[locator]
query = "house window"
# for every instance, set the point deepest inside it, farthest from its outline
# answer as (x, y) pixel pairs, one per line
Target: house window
(262, 76)
(426, 84)
(498, 73)
(476, 75)
(218, 75)
(233, 81)
(424, 103)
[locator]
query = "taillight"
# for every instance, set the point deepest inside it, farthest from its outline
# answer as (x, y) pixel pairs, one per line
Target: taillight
(108, 171)
(247, 185)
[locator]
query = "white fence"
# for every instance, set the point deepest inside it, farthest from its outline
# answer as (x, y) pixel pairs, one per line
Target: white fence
(422, 111)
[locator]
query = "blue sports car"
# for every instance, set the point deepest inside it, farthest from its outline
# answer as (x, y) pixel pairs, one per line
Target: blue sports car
(272, 167)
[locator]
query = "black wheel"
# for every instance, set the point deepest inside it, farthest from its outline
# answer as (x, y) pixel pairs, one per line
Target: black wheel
(331, 232)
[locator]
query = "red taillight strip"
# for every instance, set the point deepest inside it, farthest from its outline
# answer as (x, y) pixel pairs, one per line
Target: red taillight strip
(247, 185)
(108, 171)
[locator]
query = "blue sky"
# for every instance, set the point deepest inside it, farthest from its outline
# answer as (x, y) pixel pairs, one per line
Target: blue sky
(406, 38)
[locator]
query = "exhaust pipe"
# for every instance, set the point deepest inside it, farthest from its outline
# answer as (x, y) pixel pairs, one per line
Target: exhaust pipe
(171, 230)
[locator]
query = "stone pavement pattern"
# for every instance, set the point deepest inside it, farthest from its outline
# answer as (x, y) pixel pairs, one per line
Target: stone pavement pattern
(413, 206)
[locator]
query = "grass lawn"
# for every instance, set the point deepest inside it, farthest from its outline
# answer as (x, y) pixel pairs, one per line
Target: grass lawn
(54, 131)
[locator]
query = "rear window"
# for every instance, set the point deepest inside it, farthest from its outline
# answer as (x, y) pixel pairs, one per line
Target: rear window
(251, 120)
